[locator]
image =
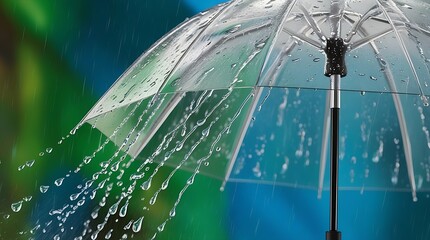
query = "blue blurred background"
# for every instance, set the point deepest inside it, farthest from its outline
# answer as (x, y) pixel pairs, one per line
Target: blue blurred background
(58, 57)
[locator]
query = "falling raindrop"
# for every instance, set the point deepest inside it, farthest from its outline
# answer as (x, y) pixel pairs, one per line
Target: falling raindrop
(16, 207)
(113, 209)
(172, 212)
(58, 182)
(30, 163)
(49, 150)
(123, 210)
(20, 168)
(147, 184)
(161, 227)
(137, 225)
(109, 234)
(27, 199)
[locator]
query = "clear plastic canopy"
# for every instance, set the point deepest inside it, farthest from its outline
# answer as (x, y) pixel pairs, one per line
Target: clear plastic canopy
(241, 88)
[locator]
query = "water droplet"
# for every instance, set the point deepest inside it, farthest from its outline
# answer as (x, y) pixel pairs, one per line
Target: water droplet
(425, 100)
(316, 59)
(27, 199)
(30, 163)
(206, 164)
(87, 160)
(58, 182)
(113, 209)
(153, 199)
(406, 6)
(16, 207)
(394, 180)
(363, 93)
(233, 65)
(205, 132)
(373, 78)
(109, 234)
(81, 202)
(161, 227)
(218, 149)
(123, 210)
(41, 154)
(6, 216)
(137, 225)
(234, 29)
(74, 196)
(115, 166)
(190, 181)
(260, 45)
(20, 168)
(165, 184)
(73, 131)
(49, 150)
(147, 184)
(295, 60)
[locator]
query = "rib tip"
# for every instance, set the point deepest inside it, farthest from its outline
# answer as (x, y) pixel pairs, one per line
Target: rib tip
(222, 188)
(414, 197)
(319, 193)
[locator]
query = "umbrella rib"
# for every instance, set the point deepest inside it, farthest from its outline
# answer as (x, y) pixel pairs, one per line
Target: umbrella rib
(402, 121)
(230, 4)
(324, 147)
(279, 29)
(89, 116)
(158, 122)
(403, 127)
(370, 13)
(404, 49)
(304, 38)
(238, 144)
(312, 23)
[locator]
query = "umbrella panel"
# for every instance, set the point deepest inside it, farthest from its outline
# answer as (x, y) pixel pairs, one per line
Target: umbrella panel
(199, 133)
(147, 75)
(276, 137)
(280, 44)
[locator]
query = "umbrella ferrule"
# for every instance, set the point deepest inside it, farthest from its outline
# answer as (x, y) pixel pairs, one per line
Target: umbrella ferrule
(335, 50)
(335, 91)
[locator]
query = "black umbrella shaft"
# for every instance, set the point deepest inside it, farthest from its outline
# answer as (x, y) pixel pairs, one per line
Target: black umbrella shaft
(334, 165)
(334, 234)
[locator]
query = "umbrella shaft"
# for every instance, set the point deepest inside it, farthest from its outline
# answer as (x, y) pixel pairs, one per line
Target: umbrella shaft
(334, 164)
(335, 91)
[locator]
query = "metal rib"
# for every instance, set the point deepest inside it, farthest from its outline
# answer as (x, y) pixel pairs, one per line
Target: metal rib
(157, 124)
(402, 121)
(238, 143)
(324, 146)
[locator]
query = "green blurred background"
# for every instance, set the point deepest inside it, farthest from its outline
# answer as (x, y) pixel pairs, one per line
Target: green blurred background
(56, 59)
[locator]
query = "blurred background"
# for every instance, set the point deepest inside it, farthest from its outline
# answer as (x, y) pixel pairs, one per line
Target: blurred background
(57, 58)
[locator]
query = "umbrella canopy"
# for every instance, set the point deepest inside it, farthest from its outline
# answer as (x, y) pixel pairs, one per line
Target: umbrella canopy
(238, 93)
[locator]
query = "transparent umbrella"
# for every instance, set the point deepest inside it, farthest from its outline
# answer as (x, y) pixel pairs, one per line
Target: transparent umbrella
(249, 91)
